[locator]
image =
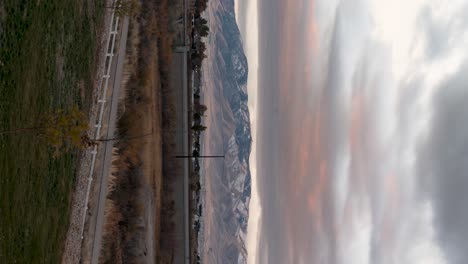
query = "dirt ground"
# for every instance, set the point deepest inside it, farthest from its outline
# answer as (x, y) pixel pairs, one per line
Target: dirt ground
(152, 159)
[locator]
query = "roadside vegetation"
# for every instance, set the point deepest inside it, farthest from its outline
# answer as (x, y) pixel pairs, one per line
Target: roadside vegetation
(149, 57)
(125, 231)
(170, 22)
(198, 53)
(47, 58)
(168, 12)
(198, 111)
(153, 37)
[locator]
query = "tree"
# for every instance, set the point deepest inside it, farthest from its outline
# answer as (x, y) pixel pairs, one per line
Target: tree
(201, 26)
(198, 128)
(197, 59)
(200, 108)
(197, 145)
(203, 30)
(195, 153)
(197, 116)
(61, 130)
(126, 7)
(65, 129)
(201, 5)
(195, 187)
(202, 49)
(200, 21)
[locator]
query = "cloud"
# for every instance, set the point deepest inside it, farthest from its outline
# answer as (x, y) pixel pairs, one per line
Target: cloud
(242, 7)
(441, 25)
(355, 163)
(444, 168)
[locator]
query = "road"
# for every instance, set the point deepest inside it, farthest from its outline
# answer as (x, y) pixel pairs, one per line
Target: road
(116, 74)
(181, 180)
(186, 141)
(180, 84)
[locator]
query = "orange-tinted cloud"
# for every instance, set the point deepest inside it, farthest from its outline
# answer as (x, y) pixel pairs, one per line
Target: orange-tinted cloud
(355, 131)
(294, 54)
(356, 138)
(316, 133)
(314, 199)
(392, 194)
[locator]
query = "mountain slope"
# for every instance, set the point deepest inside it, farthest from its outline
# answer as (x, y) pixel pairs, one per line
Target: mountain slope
(227, 182)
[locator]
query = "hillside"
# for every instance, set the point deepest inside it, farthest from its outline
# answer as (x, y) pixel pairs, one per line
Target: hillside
(227, 182)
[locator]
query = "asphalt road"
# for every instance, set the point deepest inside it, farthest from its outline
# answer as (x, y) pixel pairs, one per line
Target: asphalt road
(180, 188)
(186, 161)
(186, 141)
(180, 84)
(116, 74)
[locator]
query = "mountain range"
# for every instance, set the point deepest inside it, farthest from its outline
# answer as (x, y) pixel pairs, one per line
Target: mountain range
(226, 182)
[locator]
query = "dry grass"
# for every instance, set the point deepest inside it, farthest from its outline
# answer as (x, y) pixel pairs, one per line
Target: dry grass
(124, 229)
(47, 61)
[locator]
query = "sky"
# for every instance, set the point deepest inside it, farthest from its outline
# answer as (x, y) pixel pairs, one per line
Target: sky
(360, 130)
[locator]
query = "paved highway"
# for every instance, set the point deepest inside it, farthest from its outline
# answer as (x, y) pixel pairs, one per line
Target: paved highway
(186, 143)
(183, 117)
(181, 180)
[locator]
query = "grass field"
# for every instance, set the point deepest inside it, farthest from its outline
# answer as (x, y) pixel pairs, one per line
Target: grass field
(47, 50)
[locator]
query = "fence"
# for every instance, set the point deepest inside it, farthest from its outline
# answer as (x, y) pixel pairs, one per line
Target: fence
(103, 87)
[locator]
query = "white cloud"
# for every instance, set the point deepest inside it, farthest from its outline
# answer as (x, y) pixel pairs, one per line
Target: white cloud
(395, 227)
(355, 241)
(417, 237)
(250, 39)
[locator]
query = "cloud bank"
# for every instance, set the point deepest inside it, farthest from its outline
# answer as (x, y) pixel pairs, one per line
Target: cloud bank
(361, 142)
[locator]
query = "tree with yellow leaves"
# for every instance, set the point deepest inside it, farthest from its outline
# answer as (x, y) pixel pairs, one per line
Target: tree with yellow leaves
(62, 129)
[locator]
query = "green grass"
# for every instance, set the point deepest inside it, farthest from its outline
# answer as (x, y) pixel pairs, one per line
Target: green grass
(47, 50)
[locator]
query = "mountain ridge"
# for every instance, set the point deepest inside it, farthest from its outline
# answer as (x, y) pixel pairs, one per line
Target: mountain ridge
(225, 73)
